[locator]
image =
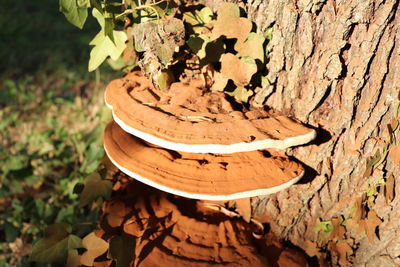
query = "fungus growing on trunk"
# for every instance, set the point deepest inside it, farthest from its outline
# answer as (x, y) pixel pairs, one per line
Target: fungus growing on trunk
(174, 231)
(201, 175)
(188, 119)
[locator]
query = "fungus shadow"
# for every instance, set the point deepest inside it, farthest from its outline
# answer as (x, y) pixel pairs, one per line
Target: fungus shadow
(322, 136)
(309, 173)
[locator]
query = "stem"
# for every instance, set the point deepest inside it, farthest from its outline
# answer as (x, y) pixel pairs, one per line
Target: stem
(140, 7)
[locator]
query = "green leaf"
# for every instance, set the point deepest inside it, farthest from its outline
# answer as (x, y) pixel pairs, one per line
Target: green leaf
(95, 187)
(122, 250)
(268, 34)
(75, 14)
(198, 18)
(208, 51)
(376, 158)
(109, 28)
(104, 46)
(114, 8)
(323, 226)
(83, 3)
(197, 44)
(56, 243)
(164, 79)
(16, 162)
(97, 4)
(241, 94)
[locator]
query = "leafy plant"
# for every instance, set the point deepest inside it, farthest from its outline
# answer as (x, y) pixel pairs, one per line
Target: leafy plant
(157, 35)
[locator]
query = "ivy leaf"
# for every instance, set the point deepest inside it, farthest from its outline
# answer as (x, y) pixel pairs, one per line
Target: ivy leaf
(390, 189)
(394, 155)
(376, 158)
(241, 94)
(370, 224)
(230, 24)
(95, 246)
(74, 259)
(252, 47)
(242, 72)
(95, 187)
(198, 18)
(122, 250)
(74, 13)
(220, 82)
(97, 4)
(109, 28)
(55, 245)
(83, 3)
(104, 46)
(243, 207)
(324, 228)
(208, 51)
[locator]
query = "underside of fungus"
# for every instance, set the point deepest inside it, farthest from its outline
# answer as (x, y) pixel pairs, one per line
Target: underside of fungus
(202, 175)
(172, 231)
(187, 118)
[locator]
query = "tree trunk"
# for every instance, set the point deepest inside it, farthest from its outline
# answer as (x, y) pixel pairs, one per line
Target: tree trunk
(335, 65)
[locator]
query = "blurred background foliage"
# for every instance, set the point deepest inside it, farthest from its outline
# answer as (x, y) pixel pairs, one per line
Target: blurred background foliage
(51, 122)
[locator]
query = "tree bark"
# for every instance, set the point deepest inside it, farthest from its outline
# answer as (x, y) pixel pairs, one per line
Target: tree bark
(334, 65)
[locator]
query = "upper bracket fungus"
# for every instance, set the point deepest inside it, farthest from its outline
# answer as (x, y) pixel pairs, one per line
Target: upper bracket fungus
(188, 119)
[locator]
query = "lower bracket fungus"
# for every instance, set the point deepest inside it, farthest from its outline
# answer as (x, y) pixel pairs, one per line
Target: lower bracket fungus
(174, 231)
(189, 119)
(201, 175)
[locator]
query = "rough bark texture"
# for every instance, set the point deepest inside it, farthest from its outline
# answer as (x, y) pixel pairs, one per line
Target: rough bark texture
(334, 65)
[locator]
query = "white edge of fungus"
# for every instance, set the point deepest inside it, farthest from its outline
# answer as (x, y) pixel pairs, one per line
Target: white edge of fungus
(216, 148)
(251, 193)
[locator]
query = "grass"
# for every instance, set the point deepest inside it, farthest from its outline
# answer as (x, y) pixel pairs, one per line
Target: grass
(51, 121)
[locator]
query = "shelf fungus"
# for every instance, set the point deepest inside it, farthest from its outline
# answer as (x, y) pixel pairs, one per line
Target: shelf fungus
(200, 175)
(187, 118)
(174, 231)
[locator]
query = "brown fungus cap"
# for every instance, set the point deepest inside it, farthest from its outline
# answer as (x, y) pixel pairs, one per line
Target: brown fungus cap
(173, 231)
(200, 176)
(189, 119)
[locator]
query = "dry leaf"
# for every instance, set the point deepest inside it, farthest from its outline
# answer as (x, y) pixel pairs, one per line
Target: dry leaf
(252, 47)
(311, 248)
(369, 224)
(220, 82)
(230, 24)
(114, 220)
(359, 212)
(394, 155)
(389, 189)
(243, 207)
(343, 250)
(95, 247)
(239, 70)
(102, 263)
(74, 259)
(132, 227)
(338, 229)
(394, 124)
(117, 208)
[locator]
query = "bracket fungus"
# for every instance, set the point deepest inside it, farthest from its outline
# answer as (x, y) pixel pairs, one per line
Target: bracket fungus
(174, 231)
(200, 175)
(188, 119)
